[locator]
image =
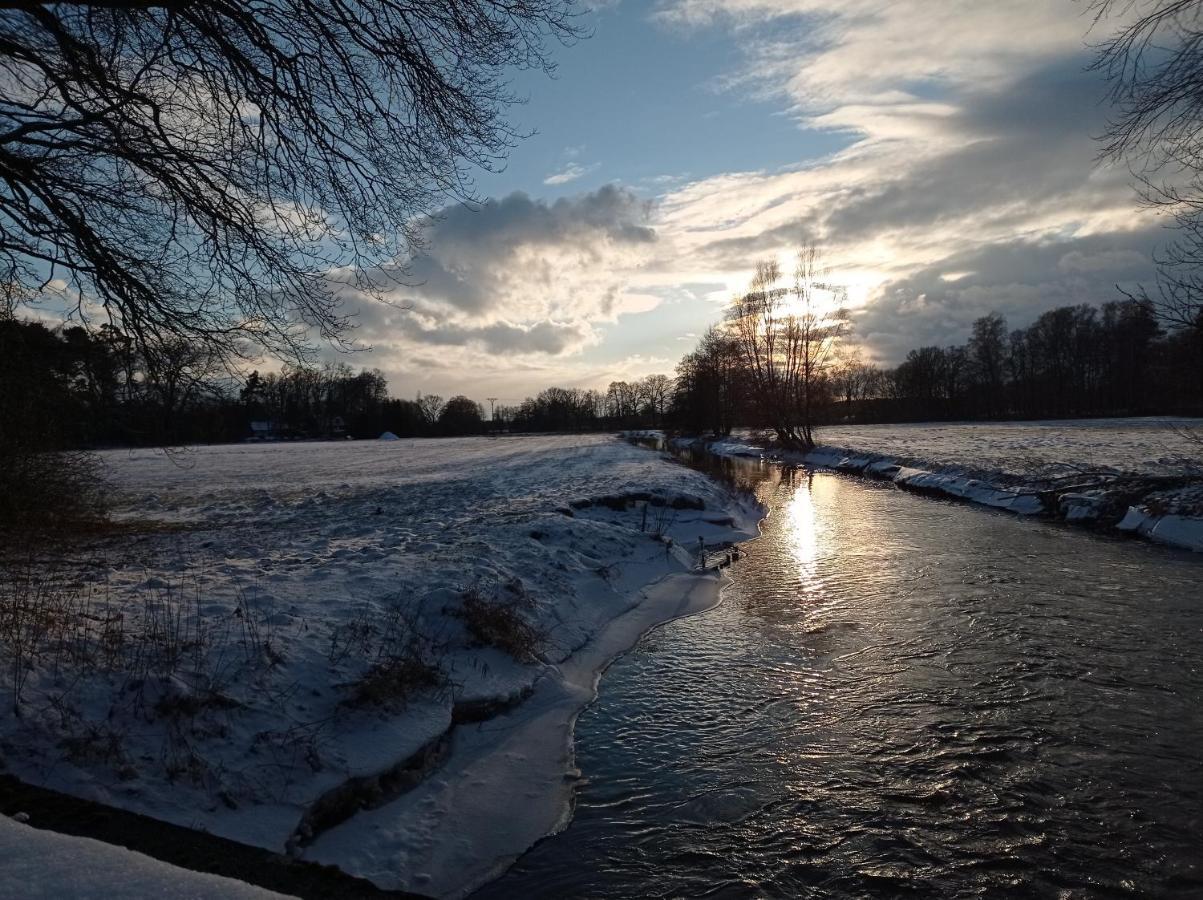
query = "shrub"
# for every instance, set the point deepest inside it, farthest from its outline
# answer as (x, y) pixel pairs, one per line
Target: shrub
(404, 661)
(48, 493)
(496, 619)
(395, 681)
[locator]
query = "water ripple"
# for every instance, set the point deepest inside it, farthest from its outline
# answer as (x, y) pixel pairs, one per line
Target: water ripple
(899, 697)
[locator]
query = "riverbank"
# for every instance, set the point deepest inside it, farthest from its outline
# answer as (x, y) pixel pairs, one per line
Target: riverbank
(1135, 476)
(366, 654)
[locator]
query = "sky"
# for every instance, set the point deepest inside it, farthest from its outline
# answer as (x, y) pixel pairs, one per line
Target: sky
(942, 156)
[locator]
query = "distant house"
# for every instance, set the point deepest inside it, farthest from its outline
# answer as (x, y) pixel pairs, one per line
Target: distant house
(338, 427)
(263, 430)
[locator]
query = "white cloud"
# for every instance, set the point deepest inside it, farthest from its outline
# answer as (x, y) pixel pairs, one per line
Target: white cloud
(970, 129)
(512, 281)
(569, 173)
(967, 183)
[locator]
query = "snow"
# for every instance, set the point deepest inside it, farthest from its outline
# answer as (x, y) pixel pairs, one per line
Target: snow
(524, 756)
(36, 864)
(278, 573)
(1148, 445)
(1139, 476)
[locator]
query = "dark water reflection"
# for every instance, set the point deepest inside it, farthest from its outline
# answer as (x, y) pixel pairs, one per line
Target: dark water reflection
(899, 696)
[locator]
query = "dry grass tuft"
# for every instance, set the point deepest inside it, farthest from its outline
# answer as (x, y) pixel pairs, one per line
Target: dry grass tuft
(497, 619)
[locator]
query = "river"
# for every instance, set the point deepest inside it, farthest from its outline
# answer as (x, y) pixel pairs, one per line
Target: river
(899, 696)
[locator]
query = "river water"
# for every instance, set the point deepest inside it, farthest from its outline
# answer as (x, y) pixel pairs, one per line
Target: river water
(899, 697)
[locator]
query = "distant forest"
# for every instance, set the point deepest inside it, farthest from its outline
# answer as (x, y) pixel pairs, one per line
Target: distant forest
(69, 387)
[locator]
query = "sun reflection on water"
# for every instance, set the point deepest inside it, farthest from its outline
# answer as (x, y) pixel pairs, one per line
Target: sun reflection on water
(804, 529)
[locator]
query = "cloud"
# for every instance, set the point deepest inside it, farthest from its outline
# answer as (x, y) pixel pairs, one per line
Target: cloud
(969, 163)
(502, 339)
(964, 182)
(1020, 279)
(511, 279)
(570, 172)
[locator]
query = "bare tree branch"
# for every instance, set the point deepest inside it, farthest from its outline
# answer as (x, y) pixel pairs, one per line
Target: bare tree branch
(226, 172)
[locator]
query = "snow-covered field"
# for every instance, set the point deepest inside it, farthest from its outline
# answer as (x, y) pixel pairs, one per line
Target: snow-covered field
(1149, 445)
(366, 653)
(1143, 476)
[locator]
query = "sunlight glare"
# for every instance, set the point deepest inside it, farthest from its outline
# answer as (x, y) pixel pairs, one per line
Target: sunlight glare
(804, 528)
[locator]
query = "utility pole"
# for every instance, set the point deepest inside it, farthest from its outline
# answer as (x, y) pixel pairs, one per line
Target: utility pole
(491, 400)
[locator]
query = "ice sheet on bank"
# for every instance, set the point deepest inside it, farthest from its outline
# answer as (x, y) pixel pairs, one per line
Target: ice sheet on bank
(509, 781)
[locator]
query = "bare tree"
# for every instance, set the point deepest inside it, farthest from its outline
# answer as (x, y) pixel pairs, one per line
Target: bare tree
(1154, 63)
(622, 398)
(431, 407)
(177, 373)
(853, 379)
(787, 338)
(987, 353)
(226, 170)
(656, 390)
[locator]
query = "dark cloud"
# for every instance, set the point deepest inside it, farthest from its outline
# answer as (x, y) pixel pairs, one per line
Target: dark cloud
(1019, 279)
(511, 276)
(1031, 145)
(1014, 153)
(743, 251)
(502, 338)
(469, 247)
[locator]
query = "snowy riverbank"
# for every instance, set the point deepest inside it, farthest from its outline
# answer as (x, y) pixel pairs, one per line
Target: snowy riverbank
(43, 865)
(1140, 476)
(368, 654)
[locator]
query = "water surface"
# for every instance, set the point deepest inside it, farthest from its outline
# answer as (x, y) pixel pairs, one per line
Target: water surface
(899, 696)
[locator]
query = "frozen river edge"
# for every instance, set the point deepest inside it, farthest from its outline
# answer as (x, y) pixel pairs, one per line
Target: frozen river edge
(1165, 507)
(508, 782)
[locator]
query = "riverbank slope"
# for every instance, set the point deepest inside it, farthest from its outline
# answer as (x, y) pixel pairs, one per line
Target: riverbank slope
(365, 653)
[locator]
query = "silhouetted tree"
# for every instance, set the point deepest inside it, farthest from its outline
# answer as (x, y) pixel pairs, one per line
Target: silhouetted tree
(557, 409)
(177, 373)
(655, 391)
(854, 382)
(709, 392)
(787, 339)
(223, 170)
(987, 353)
(1154, 63)
(431, 407)
(461, 416)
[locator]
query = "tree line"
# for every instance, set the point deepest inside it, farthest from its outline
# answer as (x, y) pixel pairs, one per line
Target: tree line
(778, 360)
(771, 364)
(68, 387)
(1073, 361)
